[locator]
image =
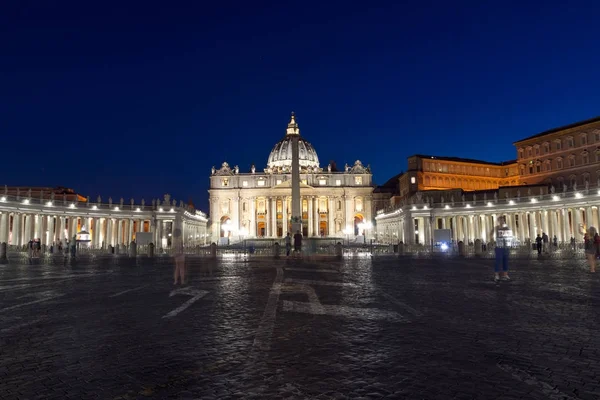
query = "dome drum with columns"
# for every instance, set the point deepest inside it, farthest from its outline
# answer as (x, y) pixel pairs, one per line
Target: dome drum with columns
(258, 204)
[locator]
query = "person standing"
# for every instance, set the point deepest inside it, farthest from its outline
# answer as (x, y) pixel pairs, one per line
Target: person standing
(545, 240)
(504, 239)
(538, 243)
(298, 242)
(590, 248)
(288, 244)
(179, 256)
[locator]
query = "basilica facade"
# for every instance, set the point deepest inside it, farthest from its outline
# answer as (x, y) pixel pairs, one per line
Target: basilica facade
(257, 204)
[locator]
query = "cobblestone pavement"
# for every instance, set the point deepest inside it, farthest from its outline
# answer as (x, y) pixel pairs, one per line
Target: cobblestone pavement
(361, 328)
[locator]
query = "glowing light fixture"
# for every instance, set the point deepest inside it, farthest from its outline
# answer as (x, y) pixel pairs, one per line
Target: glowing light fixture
(555, 198)
(26, 201)
(578, 195)
(511, 202)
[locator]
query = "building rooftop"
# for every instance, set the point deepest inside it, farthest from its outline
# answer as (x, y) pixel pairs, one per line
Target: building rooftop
(465, 160)
(562, 128)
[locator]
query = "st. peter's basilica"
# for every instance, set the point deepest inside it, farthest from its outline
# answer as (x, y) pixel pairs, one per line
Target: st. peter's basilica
(258, 203)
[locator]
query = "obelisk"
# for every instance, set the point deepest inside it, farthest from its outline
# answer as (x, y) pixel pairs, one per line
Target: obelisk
(294, 132)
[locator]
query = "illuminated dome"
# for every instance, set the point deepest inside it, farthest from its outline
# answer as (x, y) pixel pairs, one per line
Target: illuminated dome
(281, 155)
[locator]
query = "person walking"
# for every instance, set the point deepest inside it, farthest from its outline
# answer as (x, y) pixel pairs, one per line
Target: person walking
(504, 239)
(545, 240)
(590, 248)
(288, 244)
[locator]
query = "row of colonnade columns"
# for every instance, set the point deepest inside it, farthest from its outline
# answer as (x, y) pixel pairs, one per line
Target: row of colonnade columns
(17, 229)
(564, 223)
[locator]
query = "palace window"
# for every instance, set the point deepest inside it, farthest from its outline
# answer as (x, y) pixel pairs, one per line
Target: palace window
(225, 182)
(245, 183)
(585, 158)
(358, 180)
(559, 163)
(537, 150)
(261, 183)
(546, 148)
(584, 139)
(597, 136)
(322, 182)
(338, 182)
(521, 153)
(548, 165)
(572, 180)
(538, 168)
(558, 145)
(571, 161)
(278, 181)
(529, 152)
(570, 143)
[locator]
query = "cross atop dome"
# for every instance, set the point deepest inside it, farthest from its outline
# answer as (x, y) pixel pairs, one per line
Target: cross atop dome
(292, 128)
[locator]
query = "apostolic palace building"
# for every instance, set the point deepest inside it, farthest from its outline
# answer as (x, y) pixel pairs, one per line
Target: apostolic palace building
(553, 186)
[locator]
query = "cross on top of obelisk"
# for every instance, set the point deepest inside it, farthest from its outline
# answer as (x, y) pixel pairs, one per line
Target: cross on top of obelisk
(292, 128)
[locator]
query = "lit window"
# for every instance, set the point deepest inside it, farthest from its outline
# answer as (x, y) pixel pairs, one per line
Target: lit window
(245, 183)
(260, 183)
(225, 182)
(358, 180)
(412, 179)
(338, 182)
(304, 181)
(278, 181)
(322, 182)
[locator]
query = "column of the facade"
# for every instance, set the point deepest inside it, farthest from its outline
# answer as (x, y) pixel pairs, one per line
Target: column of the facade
(109, 229)
(588, 217)
(330, 213)
(531, 223)
(348, 219)
(50, 235)
(274, 216)
(284, 216)
(28, 227)
(16, 231)
(477, 226)
(60, 229)
(253, 216)
(545, 225)
(4, 226)
(310, 216)
(235, 215)
(554, 225)
(119, 231)
(566, 225)
(316, 217)
(576, 223)
(129, 230)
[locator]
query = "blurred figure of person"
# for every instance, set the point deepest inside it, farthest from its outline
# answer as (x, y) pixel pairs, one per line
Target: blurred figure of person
(178, 254)
(288, 244)
(590, 247)
(298, 243)
(545, 240)
(504, 238)
(538, 244)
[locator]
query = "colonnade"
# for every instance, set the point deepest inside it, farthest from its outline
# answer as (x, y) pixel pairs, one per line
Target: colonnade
(416, 225)
(19, 225)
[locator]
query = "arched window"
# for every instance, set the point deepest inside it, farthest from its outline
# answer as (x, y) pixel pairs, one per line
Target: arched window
(585, 158)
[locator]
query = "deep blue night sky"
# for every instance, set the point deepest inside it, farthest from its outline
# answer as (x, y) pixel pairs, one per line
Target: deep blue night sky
(141, 99)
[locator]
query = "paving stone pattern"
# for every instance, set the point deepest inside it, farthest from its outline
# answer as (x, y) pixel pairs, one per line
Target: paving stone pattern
(382, 328)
